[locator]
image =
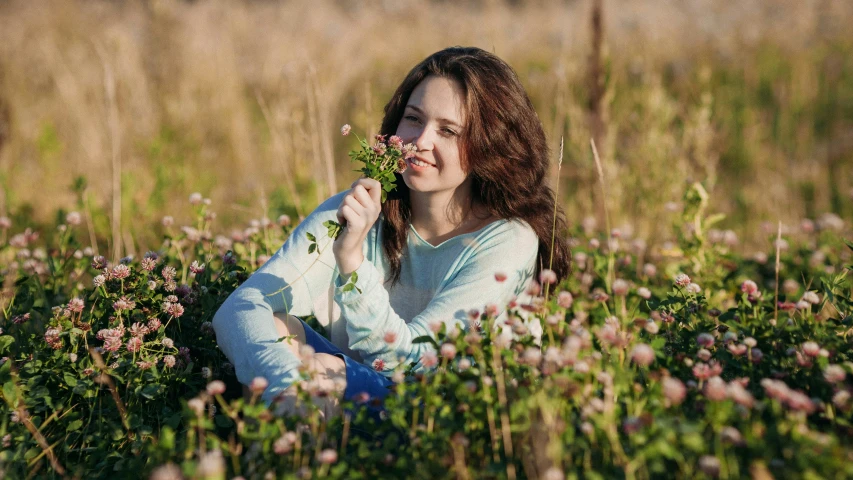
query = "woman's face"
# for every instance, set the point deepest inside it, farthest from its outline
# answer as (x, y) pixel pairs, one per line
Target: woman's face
(433, 121)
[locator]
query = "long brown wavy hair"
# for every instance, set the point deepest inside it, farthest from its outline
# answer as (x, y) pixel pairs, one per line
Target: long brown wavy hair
(502, 147)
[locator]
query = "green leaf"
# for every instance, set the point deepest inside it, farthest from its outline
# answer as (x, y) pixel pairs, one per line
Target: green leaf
(223, 421)
(150, 391)
(426, 339)
(5, 342)
(311, 236)
(312, 248)
(70, 379)
(9, 392)
(75, 425)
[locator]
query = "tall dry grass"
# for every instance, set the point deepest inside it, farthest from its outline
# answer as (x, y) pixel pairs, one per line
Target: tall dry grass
(242, 101)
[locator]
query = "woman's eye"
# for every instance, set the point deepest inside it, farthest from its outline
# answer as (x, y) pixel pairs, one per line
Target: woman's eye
(448, 132)
(411, 118)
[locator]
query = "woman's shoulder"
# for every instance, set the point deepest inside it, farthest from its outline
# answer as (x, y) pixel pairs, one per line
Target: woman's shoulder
(512, 235)
(332, 203)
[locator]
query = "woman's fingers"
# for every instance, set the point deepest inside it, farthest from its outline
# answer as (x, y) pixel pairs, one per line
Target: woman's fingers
(371, 208)
(372, 187)
(348, 215)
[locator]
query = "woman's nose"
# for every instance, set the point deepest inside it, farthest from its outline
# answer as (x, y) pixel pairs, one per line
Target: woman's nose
(424, 140)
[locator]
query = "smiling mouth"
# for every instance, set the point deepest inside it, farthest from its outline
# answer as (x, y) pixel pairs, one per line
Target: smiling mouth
(420, 163)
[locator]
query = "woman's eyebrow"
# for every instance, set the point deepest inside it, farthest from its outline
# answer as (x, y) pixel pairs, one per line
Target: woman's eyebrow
(442, 120)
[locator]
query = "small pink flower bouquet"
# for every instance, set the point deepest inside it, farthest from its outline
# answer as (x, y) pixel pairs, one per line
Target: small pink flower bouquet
(382, 161)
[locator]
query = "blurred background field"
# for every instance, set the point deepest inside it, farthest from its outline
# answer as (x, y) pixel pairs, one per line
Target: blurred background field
(242, 101)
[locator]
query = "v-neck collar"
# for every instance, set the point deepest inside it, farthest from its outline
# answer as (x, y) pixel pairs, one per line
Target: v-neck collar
(435, 247)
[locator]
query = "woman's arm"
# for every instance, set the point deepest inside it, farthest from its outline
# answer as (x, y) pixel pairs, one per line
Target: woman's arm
(511, 249)
(288, 282)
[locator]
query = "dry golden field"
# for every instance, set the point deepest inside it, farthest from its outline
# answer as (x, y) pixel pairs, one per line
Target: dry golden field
(242, 101)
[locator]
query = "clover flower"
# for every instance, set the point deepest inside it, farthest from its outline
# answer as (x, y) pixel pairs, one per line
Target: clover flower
(120, 271)
(748, 287)
(704, 371)
(429, 359)
(139, 330)
(379, 148)
(216, 387)
(834, 373)
(73, 218)
(709, 465)
(345, 130)
(740, 395)
(123, 304)
(599, 296)
(811, 297)
(682, 280)
(643, 355)
(258, 385)
(705, 340)
(169, 360)
(409, 150)
(448, 351)
(168, 272)
(51, 336)
(379, 365)
(565, 299)
(328, 456)
(285, 443)
(674, 390)
(149, 264)
(547, 276)
(144, 365)
(737, 350)
(620, 287)
(75, 305)
(134, 344)
(99, 262)
(395, 142)
(154, 324)
(111, 338)
(811, 349)
(841, 398)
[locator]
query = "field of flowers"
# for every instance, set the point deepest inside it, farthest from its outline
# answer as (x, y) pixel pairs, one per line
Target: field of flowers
(697, 337)
(683, 360)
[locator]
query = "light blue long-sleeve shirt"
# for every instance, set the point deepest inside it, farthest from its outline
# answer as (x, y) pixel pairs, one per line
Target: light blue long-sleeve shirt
(438, 283)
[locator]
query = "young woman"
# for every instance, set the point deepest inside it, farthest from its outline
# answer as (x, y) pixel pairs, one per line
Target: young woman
(468, 225)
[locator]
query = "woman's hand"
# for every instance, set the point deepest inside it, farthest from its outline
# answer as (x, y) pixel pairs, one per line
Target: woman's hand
(358, 211)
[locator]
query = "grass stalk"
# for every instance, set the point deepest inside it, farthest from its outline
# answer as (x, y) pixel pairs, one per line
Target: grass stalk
(106, 379)
(554, 223)
(778, 266)
(610, 256)
(24, 417)
(115, 148)
(504, 413)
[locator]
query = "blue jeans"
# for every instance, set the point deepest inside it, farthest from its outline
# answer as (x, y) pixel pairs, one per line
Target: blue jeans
(361, 379)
